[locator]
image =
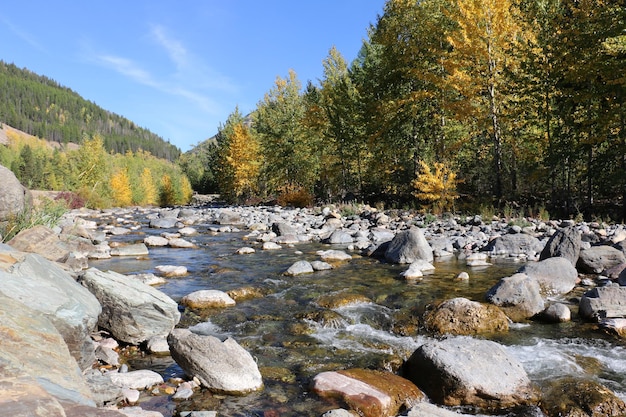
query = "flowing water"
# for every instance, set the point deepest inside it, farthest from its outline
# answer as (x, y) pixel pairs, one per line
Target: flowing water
(293, 337)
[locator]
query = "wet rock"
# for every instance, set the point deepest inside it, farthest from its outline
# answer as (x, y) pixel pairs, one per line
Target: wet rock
(321, 266)
(245, 251)
(333, 255)
(417, 269)
(171, 270)
(519, 296)
(461, 316)
(223, 367)
(431, 410)
(271, 246)
(139, 412)
(149, 279)
(188, 231)
(572, 397)
(138, 249)
(614, 326)
(245, 293)
(181, 243)
(564, 243)
(557, 313)
(207, 299)
(163, 223)
(119, 231)
(141, 379)
(43, 286)
(370, 393)
(467, 371)
(598, 258)
(603, 302)
(555, 275)
(477, 259)
(299, 268)
(462, 276)
(341, 299)
(340, 412)
(158, 344)
(409, 246)
(133, 312)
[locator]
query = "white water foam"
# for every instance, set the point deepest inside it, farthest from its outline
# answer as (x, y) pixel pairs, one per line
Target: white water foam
(546, 359)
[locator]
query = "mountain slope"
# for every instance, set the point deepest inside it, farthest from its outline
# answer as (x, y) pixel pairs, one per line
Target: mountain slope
(41, 107)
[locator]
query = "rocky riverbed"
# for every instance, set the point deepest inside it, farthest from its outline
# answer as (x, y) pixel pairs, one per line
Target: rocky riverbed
(246, 311)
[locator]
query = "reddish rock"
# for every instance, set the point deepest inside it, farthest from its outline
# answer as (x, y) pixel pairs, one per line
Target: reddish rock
(370, 393)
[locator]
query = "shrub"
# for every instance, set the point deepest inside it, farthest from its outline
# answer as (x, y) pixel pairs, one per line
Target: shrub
(436, 186)
(295, 197)
(72, 200)
(48, 214)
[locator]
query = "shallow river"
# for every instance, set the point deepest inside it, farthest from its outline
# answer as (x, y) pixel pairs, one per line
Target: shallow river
(293, 338)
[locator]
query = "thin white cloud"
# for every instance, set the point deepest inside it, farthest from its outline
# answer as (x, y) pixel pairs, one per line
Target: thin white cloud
(176, 50)
(132, 70)
(25, 36)
(192, 80)
(128, 68)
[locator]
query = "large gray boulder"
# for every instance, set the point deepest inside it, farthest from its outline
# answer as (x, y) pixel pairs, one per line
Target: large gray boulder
(518, 244)
(466, 371)
(564, 243)
(223, 367)
(519, 296)
(555, 275)
(43, 286)
(14, 198)
(37, 371)
(132, 311)
(409, 246)
(604, 303)
(598, 258)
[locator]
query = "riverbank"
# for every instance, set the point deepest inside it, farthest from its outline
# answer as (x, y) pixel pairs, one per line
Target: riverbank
(257, 245)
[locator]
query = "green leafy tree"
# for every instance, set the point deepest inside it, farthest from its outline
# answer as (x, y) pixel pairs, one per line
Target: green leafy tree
(289, 149)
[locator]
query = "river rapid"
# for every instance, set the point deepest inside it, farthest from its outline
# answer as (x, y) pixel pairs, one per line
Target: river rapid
(293, 338)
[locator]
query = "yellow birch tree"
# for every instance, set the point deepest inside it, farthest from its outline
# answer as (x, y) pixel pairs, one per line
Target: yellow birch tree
(243, 160)
(487, 32)
(120, 188)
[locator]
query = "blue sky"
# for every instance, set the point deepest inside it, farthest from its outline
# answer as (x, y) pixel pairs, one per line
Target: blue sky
(180, 68)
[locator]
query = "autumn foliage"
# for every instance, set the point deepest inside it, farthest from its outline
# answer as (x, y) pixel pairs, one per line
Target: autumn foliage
(436, 186)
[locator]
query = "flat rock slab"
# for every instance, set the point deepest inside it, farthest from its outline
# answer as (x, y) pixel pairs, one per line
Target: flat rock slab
(370, 393)
(333, 255)
(141, 379)
(43, 286)
(207, 299)
(33, 353)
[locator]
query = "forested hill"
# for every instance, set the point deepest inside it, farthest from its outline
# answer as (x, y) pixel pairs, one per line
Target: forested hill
(42, 107)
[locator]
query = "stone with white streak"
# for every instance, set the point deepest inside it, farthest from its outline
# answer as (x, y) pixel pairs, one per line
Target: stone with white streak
(223, 367)
(132, 312)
